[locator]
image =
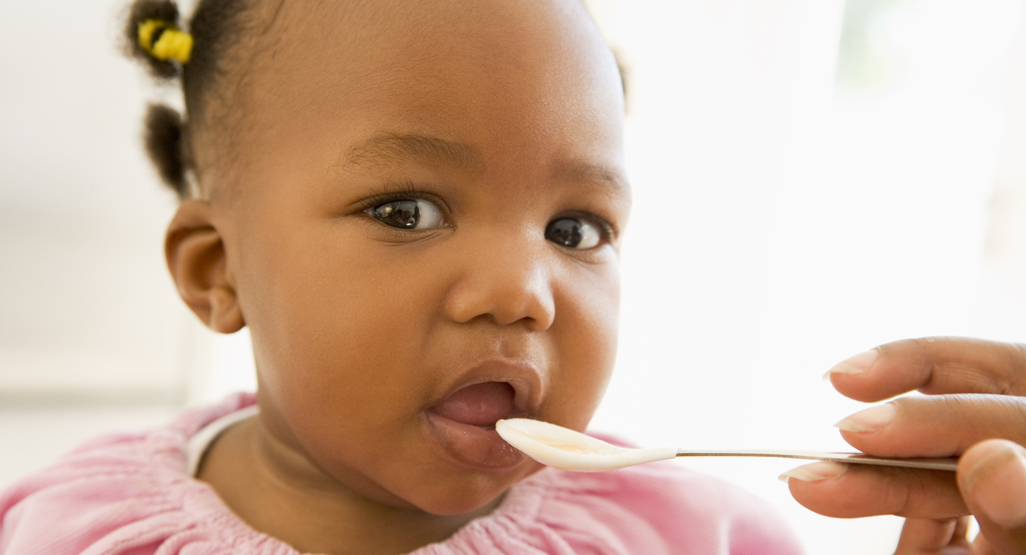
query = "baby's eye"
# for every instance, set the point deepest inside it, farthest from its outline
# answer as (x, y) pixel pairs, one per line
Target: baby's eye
(408, 214)
(573, 233)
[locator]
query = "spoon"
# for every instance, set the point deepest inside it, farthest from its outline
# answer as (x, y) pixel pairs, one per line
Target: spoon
(565, 449)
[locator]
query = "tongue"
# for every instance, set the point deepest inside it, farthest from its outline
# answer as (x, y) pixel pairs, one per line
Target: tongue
(478, 405)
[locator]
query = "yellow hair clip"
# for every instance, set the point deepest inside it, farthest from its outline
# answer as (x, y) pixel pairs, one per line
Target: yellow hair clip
(171, 44)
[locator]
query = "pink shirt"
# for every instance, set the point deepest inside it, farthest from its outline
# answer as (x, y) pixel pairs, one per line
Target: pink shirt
(130, 494)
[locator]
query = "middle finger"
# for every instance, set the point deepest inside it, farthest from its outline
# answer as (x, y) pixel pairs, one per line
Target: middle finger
(935, 426)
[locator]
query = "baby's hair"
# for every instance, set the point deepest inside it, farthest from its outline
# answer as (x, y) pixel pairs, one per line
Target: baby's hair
(215, 27)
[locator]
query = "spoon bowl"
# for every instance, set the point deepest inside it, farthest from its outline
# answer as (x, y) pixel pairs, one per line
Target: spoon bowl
(565, 449)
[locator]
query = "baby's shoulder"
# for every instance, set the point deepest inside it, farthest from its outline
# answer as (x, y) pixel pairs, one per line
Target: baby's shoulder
(115, 494)
(156, 453)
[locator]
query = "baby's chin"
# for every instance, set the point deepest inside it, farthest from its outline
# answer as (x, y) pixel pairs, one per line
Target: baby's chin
(448, 493)
(473, 494)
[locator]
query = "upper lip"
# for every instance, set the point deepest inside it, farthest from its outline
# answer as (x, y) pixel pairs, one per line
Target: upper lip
(523, 377)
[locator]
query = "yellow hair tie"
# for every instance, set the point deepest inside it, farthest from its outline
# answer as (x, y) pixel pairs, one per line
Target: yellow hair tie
(171, 44)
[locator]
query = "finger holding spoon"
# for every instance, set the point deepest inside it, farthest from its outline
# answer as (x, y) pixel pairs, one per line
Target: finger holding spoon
(992, 480)
(935, 426)
(850, 491)
(993, 484)
(975, 406)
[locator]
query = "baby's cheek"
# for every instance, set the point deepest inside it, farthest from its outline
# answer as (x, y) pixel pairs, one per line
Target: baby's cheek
(586, 335)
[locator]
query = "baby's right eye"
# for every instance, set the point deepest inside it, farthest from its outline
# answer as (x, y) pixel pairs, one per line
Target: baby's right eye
(408, 214)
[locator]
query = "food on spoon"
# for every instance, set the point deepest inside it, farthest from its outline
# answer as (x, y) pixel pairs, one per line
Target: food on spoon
(565, 449)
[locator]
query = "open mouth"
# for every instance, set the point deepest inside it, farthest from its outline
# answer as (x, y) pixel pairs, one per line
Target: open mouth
(463, 424)
(480, 404)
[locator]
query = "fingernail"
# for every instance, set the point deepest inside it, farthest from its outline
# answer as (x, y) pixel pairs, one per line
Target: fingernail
(869, 420)
(857, 364)
(998, 484)
(814, 472)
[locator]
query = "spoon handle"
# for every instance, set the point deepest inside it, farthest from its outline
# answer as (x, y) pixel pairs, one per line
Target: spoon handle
(949, 464)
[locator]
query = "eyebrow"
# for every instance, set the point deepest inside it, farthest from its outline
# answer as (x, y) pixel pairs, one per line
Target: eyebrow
(586, 172)
(387, 148)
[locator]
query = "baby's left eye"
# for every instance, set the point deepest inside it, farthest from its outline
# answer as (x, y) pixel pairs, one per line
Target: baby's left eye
(408, 214)
(573, 233)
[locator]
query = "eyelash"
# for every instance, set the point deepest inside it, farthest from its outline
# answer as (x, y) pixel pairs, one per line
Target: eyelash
(407, 190)
(609, 232)
(606, 229)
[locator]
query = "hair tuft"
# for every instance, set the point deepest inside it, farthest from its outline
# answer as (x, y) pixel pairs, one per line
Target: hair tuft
(141, 11)
(163, 139)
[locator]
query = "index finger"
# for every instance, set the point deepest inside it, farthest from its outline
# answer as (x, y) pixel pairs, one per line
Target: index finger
(935, 366)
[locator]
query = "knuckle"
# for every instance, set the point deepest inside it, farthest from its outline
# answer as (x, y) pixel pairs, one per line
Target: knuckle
(918, 489)
(1019, 412)
(921, 359)
(906, 405)
(912, 489)
(923, 342)
(905, 347)
(1016, 362)
(958, 404)
(931, 495)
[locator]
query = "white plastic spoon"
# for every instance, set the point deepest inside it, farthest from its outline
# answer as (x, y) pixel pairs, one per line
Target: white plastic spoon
(565, 449)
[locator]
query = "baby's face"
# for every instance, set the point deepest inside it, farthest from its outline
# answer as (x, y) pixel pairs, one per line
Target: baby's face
(424, 236)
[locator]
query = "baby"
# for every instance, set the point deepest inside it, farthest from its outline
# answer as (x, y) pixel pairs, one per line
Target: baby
(416, 206)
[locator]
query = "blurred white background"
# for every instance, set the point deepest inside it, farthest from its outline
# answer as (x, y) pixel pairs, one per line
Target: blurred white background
(812, 178)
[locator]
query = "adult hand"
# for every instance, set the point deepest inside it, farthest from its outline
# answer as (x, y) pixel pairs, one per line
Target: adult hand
(975, 407)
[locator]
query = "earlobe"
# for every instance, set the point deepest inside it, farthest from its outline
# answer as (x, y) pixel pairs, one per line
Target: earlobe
(197, 260)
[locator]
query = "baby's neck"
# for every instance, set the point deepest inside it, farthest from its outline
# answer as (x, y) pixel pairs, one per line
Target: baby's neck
(278, 492)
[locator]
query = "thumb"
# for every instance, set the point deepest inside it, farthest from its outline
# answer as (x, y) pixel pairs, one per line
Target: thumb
(992, 479)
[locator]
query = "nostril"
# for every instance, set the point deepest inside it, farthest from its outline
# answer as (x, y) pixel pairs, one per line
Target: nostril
(504, 297)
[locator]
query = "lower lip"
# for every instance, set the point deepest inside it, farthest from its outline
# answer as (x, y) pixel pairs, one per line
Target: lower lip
(473, 446)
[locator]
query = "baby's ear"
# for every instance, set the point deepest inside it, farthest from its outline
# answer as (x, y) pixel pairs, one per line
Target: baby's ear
(198, 263)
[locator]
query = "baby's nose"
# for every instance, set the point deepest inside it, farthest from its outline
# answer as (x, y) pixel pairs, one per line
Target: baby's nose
(508, 281)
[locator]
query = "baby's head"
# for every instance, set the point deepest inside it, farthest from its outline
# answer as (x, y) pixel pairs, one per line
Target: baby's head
(415, 206)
